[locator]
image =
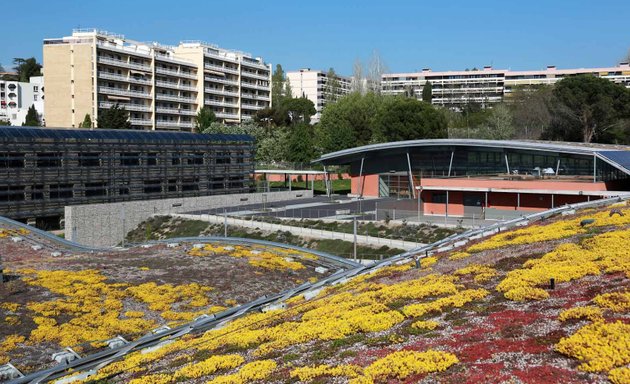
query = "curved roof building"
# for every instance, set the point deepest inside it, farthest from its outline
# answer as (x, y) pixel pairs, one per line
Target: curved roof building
(465, 176)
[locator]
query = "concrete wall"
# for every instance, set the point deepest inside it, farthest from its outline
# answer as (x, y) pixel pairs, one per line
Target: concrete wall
(103, 224)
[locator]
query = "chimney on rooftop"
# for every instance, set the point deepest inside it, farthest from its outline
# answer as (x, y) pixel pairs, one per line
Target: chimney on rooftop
(426, 69)
(624, 64)
(487, 67)
(551, 67)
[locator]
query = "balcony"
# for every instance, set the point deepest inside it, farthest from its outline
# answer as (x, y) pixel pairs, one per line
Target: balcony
(221, 80)
(252, 106)
(256, 86)
(254, 75)
(173, 85)
(174, 72)
(224, 115)
(123, 92)
(121, 63)
(180, 99)
(176, 111)
(220, 92)
(220, 68)
(127, 79)
(220, 103)
(128, 107)
(254, 64)
(173, 124)
(143, 122)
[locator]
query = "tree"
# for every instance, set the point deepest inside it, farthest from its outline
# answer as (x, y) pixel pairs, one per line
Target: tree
(427, 92)
(357, 77)
(32, 118)
(331, 91)
(288, 93)
(87, 122)
(402, 118)
(593, 104)
(500, 125)
(300, 144)
(26, 68)
(532, 111)
(204, 118)
(277, 85)
(376, 68)
(299, 110)
(115, 117)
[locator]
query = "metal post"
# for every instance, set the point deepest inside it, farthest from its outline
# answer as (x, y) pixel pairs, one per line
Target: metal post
(326, 182)
(419, 193)
(361, 178)
(290, 179)
(446, 216)
(518, 200)
(123, 225)
(411, 186)
(450, 164)
(507, 164)
(355, 237)
(553, 201)
(224, 223)
(376, 211)
(557, 167)
(594, 169)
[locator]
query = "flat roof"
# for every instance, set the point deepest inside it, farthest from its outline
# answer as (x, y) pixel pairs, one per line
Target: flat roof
(9, 132)
(289, 172)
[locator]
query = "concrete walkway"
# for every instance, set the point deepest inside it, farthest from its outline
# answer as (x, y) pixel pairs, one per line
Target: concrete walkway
(304, 232)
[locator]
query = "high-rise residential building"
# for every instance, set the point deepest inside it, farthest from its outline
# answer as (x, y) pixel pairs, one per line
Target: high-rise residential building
(162, 87)
(454, 89)
(318, 87)
(17, 97)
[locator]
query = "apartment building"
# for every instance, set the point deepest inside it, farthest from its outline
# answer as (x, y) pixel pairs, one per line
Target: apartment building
(162, 87)
(486, 86)
(17, 97)
(318, 88)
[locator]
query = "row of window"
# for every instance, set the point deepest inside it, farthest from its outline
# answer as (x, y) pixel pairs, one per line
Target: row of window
(99, 189)
(93, 159)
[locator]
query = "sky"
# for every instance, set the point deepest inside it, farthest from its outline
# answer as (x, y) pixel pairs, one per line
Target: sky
(407, 35)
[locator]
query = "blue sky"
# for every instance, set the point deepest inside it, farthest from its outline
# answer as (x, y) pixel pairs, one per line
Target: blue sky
(408, 35)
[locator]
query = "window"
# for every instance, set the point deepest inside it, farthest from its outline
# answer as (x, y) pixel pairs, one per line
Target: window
(95, 189)
(438, 197)
(37, 192)
(152, 159)
(130, 159)
(89, 159)
(12, 193)
(195, 159)
(34, 97)
(152, 186)
(11, 160)
(223, 158)
(175, 159)
(190, 184)
(48, 159)
(172, 185)
(61, 191)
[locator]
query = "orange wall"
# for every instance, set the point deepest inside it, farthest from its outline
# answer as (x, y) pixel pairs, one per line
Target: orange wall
(370, 185)
(514, 184)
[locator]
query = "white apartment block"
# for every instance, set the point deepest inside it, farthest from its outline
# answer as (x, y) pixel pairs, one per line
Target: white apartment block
(316, 86)
(17, 97)
(486, 86)
(162, 87)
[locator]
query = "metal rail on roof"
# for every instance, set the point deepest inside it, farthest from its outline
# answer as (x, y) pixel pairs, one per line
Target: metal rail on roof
(580, 149)
(90, 364)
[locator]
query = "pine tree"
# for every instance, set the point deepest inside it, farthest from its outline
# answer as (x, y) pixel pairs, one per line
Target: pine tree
(204, 119)
(427, 92)
(32, 119)
(87, 122)
(115, 117)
